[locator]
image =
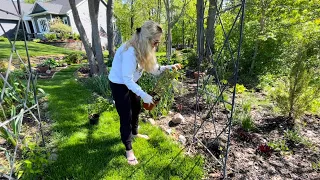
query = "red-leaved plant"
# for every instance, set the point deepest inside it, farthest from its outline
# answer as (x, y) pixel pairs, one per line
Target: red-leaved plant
(264, 150)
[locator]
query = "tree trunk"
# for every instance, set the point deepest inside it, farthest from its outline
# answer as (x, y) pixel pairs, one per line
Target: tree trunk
(183, 39)
(210, 32)
(263, 5)
(200, 29)
(131, 18)
(110, 29)
(96, 41)
(84, 38)
(169, 38)
(171, 24)
(159, 11)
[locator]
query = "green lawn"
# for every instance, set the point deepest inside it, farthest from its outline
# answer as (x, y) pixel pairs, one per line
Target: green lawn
(96, 152)
(35, 49)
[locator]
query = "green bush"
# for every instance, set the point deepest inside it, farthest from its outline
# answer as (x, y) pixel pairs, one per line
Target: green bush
(100, 85)
(240, 88)
(295, 96)
(35, 160)
(295, 137)
(316, 165)
(188, 51)
(50, 36)
(36, 40)
(192, 60)
(3, 39)
(63, 30)
(76, 36)
(279, 145)
(73, 58)
(109, 62)
(52, 63)
(162, 85)
(247, 123)
(98, 105)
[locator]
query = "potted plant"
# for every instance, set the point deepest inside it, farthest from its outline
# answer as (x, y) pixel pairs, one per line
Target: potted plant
(97, 106)
(42, 68)
(160, 87)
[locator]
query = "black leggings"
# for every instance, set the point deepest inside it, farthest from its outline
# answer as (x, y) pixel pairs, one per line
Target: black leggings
(128, 106)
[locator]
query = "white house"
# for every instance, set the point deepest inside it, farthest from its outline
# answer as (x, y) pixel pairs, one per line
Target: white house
(36, 17)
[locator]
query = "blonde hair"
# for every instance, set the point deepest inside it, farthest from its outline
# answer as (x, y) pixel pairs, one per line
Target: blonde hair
(141, 41)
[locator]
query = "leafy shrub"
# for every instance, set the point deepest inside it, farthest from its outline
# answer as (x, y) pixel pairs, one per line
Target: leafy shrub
(316, 166)
(50, 36)
(36, 40)
(76, 36)
(61, 29)
(109, 62)
(12, 136)
(295, 96)
(98, 105)
(187, 50)
(293, 136)
(4, 66)
(279, 145)
(240, 88)
(73, 58)
(147, 82)
(3, 39)
(164, 87)
(192, 60)
(35, 160)
(247, 123)
(100, 85)
(52, 63)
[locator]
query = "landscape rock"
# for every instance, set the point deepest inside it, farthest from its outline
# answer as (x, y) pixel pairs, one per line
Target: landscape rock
(178, 119)
(45, 106)
(182, 139)
(64, 64)
(53, 157)
(48, 72)
(151, 121)
(169, 131)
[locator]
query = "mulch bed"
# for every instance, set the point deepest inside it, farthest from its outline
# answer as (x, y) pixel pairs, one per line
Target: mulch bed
(244, 161)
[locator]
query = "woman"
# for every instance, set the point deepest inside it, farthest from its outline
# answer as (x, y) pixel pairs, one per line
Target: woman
(131, 59)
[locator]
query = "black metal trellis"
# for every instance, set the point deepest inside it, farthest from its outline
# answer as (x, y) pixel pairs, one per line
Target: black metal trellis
(30, 79)
(218, 99)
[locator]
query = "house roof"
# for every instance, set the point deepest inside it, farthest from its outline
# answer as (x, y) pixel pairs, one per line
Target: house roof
(53, 6)
(59, 6)
(8, 6)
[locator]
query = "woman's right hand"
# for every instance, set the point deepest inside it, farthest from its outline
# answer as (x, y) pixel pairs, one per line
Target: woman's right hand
(176, 66)
(147, 99)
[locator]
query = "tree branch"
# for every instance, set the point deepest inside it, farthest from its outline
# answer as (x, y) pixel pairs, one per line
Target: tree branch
(176, 19)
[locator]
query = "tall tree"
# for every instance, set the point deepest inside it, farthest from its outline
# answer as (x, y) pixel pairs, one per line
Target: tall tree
(263, 6)
(84, 38)
(132, 16)
(210, 27)
(96, 41)
(200, 29)
(110, 28)
(171, 21)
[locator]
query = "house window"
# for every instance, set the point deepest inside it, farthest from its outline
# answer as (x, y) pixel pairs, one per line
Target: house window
(65, 20)
(43, 24)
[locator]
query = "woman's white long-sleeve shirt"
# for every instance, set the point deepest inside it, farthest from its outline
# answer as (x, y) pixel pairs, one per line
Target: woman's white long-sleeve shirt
(125, 70)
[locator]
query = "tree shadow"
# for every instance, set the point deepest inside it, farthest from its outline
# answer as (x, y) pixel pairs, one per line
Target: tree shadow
(278, 123)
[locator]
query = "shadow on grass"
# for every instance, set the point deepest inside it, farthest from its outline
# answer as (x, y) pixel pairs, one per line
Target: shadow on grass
(85, 159)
